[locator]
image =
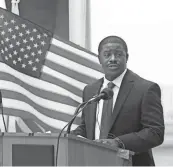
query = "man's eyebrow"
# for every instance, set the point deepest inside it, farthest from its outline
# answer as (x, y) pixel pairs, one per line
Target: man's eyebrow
(113, 49)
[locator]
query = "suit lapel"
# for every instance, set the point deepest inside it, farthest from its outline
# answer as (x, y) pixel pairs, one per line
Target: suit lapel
(124, 91)
(95, 89)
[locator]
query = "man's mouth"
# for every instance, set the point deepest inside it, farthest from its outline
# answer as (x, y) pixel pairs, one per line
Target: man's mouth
(113, 65)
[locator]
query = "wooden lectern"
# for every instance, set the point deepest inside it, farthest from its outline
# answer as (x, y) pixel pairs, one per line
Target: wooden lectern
(38, 149)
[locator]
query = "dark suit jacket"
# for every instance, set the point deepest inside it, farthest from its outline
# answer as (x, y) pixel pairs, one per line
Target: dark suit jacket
(137, 116)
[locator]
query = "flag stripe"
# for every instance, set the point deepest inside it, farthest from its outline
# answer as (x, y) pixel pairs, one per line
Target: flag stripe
(77, 58)
(45, 126)
(78, 47)
(38, 92)
(73, 65)
(28, 116)
(22, 127)
(19, 105)
(33, 126)
(42, 85)
(69, 72)
(74, 50)
(47, 112)
(65, 78)
(11, 127)
(5, 85)
(62, 84)
(42, 129)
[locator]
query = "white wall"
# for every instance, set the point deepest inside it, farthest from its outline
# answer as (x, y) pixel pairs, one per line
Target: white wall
(146, 26)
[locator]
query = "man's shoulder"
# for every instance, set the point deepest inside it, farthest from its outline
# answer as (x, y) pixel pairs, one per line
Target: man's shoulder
(94, 83)
(142, 82)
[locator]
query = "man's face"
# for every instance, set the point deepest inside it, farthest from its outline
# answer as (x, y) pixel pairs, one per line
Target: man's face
(113, 59)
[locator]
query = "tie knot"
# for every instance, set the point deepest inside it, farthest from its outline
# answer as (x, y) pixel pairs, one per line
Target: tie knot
(111, 85)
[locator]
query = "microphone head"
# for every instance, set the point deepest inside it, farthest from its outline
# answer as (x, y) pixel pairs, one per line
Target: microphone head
(108, 94)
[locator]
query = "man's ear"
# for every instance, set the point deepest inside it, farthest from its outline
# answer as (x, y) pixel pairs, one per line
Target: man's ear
(127, 56)
(99, 58)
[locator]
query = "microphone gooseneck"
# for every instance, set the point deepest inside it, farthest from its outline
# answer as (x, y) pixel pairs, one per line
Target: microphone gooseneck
(105, 94)
(78, 110)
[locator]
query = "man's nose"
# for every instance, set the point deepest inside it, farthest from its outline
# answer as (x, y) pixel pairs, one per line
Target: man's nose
(112, 57)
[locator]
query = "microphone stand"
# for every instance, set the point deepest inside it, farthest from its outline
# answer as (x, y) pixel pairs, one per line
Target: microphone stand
(106, 94)
(77, 111)
(2, 113)
(72, 120)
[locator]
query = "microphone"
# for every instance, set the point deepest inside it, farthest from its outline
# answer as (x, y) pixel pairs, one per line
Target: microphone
(105, 94)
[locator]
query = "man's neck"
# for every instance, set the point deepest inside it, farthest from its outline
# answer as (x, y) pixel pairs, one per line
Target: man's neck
(112, 77)
(117, 79)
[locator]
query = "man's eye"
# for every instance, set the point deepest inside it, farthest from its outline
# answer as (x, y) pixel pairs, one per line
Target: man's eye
(107, 54)
(118, 54)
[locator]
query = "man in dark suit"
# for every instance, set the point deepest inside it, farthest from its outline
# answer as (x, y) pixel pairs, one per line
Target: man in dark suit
(136, 119)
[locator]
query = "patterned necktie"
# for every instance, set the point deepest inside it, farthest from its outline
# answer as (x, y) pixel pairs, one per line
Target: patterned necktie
(106, 115)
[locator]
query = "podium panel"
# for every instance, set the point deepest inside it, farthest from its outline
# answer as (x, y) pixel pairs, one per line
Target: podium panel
(32, 155)
(82, 151)
(21, 149)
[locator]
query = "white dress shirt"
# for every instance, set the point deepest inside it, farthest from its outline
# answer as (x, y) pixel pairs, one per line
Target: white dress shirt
(117, 83)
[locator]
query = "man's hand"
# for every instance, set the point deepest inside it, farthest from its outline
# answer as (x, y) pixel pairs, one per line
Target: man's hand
(111, 142)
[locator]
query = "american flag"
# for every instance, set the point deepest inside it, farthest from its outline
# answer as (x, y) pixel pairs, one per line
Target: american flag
(41, 76)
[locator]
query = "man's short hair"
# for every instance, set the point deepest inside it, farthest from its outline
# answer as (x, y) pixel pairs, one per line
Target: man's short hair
(112, 39)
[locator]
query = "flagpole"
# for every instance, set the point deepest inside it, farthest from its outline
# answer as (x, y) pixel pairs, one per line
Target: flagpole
(2, 127)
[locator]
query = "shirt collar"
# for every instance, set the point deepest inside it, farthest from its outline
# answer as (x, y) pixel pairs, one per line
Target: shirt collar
(117, 81)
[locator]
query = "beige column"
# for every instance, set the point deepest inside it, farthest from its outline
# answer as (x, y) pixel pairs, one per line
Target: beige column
(78, 22)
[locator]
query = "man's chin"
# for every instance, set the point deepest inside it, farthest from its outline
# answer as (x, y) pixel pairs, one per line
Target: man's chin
(112, 75)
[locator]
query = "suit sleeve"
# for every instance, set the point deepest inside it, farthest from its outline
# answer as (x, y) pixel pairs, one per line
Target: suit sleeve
(81, 129)
(152, 123)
